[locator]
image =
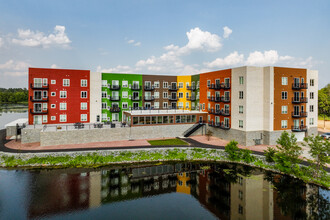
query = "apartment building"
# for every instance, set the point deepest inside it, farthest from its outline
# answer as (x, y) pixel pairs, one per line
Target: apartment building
(252, 105)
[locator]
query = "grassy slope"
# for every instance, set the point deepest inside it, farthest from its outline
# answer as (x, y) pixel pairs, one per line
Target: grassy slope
(168, 142)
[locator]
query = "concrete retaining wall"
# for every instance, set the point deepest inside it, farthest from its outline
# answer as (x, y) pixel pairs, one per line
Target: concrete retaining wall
(30, 135)
(112, 134)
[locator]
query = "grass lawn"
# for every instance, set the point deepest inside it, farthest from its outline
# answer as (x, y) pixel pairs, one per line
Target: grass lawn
(326, 117)
(174, 141)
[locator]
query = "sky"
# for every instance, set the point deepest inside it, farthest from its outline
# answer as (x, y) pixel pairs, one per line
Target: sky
(171, 37)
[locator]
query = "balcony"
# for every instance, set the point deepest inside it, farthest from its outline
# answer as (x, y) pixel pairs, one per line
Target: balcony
(298, 128)
(39, 86)
(149, 88)
(210, 111)
(114, 87)
(172, 98)
(298, 86)
(224, 126)
(38, 112)
(225, 85)
(225, 113)
(214, 124)
(225, 99)
(191, 98)
(217, 112)
(114, 98)
(149, 98)
(297, 100)
(115, 109)
(137, 98)
(136, 87)
(173, 88)
(217, 99)
(192, 88)
(299, 114)
(211, 86)
(210, 99)
(39, 99)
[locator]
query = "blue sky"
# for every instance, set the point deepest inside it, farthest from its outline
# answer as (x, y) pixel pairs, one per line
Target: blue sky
(162, 37)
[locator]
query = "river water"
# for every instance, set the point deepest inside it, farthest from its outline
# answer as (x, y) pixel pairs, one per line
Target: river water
(163, 191)
(11, 113)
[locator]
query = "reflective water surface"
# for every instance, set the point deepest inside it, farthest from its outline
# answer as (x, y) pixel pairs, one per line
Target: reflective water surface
(165, 191)
(11, 113)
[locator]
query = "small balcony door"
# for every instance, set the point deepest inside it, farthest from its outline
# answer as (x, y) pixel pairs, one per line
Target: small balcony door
(135, 95)
(135, 105)
(296, 123)
(227, 97)
(115, 105)
(147, 84)
(217, 95)
(227, 81)
(37, 95)
(147, 94)
(37, 82)
(296, 96)
(173, 95)
(115, 117)
(37, 107)
(217, 120)
(296, 82)
(115, 94)
(226, 122)
(217, 107)
(173, 84)
(227, 108)
(37, 119)
(173, 104)
(147, 105)
(115, 82)
(296, 110)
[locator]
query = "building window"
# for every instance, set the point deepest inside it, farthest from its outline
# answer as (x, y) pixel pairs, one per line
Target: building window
(44, 119)
(156, 84)
(125, 105)
(53, 106)
(240, 123)
(311, 95)
(311, 121)
(284, 124)
(165, 95)
(104, 83)
(104, 94)
(53, 118)
(83, 94)
(208, 83)
(240, 109)
(62, 106)
(203, 106)
(165, 105)
(311, 108)
(165, 85)
(311, 82)
(284, 81)
(124, 84)
(104, 105)
(241, 80)
(44, 106)
(180, 104)
(284, 95)
(66, 82)
(240, 95)
(187, 84)
(44, 81)
(284, 109)
(104, 117)
(124, 94)
(187, 105)
(208, 94)
(83, 105)
(187, 95)
(83, 83)
(156, 105)
(53, 81)
(156, 95)
(83, 117)
(240, 209)
(240, 194)
(180, 85)
(63, 94)
(53, 93)
(180, 95)
(62, 118)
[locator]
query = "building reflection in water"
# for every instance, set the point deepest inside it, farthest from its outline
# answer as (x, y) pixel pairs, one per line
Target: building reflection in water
(228, 191)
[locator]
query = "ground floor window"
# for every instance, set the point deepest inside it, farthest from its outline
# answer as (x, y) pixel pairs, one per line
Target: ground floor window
(62, 118)
(83, 117)
(165, 119)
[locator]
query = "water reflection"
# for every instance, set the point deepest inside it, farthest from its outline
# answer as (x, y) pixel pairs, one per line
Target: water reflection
(185, 190)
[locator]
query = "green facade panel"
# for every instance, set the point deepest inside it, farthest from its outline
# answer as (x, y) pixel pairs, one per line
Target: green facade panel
(195, 78)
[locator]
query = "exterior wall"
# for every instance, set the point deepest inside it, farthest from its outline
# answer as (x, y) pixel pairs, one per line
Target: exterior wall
(195, 79)
(96, 97)
(30, 135)
(236, 102)
(184, 90)
(268, 99)
(291, 73)
(112, 134)
(312, 74)
(161, 79)
(120, 77)
(73, 99)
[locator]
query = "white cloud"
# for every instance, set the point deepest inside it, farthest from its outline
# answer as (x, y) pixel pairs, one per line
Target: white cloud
(117, 69)
(14, 68)
(226, 32)
(133, 42)
(39, 39)
(54, 66)
(231, 60)
(258, 58)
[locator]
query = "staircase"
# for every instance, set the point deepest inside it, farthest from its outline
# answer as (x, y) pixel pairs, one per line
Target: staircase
(191, 130)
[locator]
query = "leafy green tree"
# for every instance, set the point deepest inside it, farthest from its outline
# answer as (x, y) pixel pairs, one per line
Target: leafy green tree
(233, 151)
(319, 150)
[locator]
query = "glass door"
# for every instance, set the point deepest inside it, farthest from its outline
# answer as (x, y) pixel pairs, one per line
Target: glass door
(296, 110)
(37, 95)
(37, 107)
(115, 117)
(37, 119)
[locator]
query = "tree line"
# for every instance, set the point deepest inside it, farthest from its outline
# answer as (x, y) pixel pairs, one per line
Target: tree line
(13, 95)
(324, 100)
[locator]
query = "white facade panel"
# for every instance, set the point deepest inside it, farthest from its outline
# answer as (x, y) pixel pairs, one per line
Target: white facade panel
(312, 74)
(268, 99)
(95, 97)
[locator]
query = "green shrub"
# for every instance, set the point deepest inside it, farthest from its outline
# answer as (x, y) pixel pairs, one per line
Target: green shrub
(270, 154)
(233, 151)
(247, 156)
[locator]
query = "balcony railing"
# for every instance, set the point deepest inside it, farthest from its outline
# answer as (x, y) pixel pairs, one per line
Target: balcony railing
(114, 98)
(149, 88)
(299, 86)
(115, 109)
(217, 99)
(299, 100)
(34, 99)
(171, 98)
(214, 124)
(210, 111)
(225, 85)
(211, 99)
(114, 87)
(193, 88)
(39, 86)
(211, 86)
(298, 128)
(137, 98)
(38, 112)
(225, 99)
(191, 98)
(149, 98)
(217, 112)
(224, 126)
(136, 87)
(299, 114)
(173, 88)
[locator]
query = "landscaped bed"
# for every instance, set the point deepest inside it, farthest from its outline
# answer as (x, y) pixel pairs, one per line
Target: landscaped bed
(166, 142)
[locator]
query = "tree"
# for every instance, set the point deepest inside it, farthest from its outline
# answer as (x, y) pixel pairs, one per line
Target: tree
(208, 134)
(324, 103)
(319, 150)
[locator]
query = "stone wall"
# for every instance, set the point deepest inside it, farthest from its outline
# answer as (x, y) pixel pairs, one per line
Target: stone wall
(312, 131)
(30, 135)
(11, 131)
(113, 134)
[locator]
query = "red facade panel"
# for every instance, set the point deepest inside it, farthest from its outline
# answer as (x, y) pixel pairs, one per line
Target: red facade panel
(52, 83)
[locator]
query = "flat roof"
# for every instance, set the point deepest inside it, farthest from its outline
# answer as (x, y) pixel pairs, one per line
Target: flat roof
(19, 121)
(162, 112)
